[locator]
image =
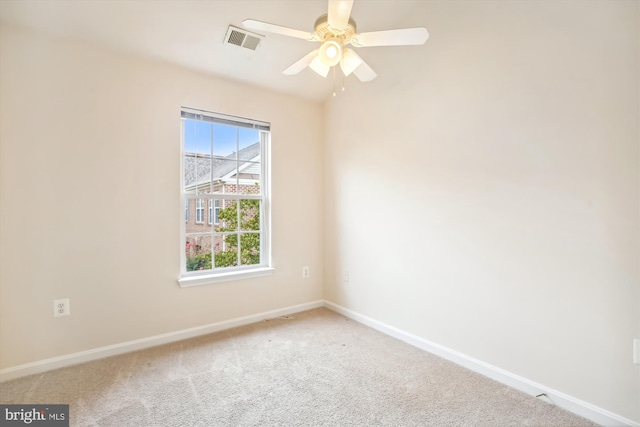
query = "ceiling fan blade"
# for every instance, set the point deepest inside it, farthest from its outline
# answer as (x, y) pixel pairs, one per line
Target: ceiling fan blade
(364, 73)
(349, 61)
(339, 12)
(407, 36)
(301, 64)
(278, 29)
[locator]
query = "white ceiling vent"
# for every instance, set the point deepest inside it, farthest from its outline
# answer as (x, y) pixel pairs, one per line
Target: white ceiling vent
(242, 38)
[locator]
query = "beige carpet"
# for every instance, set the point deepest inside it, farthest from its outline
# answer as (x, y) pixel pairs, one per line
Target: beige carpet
(315, 369)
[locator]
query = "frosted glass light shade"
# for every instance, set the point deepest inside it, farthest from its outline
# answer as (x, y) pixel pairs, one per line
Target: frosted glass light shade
(319, 66)
(330, 52)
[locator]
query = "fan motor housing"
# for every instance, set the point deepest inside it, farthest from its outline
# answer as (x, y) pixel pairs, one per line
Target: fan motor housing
(325, 32)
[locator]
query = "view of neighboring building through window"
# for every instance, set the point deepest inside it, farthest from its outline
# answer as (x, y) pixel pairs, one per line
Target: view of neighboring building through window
(224, 167)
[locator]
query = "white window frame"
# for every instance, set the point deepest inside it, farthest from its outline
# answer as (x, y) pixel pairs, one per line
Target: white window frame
(196, 278)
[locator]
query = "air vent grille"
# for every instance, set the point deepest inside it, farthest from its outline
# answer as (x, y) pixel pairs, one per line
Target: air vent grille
(251, 42)
(242, 38)
(236, 37)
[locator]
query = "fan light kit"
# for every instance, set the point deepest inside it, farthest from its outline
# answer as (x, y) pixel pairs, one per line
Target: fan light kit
(334, 31)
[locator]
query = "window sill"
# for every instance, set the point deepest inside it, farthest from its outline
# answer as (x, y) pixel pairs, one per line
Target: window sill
(208, 279)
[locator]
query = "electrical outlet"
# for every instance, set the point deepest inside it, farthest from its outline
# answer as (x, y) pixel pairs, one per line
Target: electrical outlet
(345, 276)
(305, 272)
(61, 307)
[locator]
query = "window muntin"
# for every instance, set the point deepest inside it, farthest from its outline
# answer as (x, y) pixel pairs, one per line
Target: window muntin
(225, 166)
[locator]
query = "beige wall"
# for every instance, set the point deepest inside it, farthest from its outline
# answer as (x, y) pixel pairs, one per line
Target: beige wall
(485, 197)
(90, 198)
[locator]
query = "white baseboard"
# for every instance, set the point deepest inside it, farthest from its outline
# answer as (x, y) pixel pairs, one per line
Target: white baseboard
(126, 347)
(577, 406)
(570, 403)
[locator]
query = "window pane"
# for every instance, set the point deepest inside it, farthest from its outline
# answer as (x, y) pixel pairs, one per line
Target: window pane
(250, 188)
(249, 248)
(248, 144)
(198, 253)
(226, 250)
(225, 139)
(224, 176)
(250, 215)
(228, 216)
(249, 177)
(198, 217)
(197, 173)
(197, 137)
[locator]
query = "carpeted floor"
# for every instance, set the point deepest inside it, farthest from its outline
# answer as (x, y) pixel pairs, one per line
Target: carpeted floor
(316, 368)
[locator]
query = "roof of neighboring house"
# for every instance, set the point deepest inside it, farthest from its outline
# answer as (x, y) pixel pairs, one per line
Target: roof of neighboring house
(197, 167)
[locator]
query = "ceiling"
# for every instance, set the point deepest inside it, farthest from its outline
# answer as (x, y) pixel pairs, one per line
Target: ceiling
(191, 34)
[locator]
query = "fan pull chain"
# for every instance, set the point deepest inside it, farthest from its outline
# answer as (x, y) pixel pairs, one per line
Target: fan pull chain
(334, 81)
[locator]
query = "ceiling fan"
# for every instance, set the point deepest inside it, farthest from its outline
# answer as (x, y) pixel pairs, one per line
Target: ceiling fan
(334, 31)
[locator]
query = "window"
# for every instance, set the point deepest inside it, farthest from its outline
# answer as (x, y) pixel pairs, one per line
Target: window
(214, 211)
(199, 211)
(186, 211)
(225, 163)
